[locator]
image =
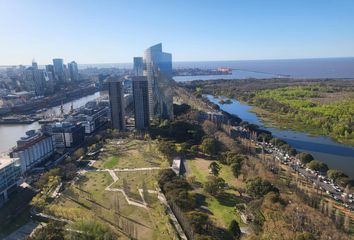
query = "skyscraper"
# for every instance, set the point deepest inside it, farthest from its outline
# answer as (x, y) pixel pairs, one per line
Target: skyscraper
(158, 70)
(141, 102)
(73, 71)
(58, 66)
(138, 68)
(116, 97)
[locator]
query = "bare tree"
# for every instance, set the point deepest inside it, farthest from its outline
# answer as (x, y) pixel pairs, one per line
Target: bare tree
(346, 224)
(145, 193)
(338, 218)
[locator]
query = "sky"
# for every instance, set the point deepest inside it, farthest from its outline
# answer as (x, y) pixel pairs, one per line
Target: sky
(114, 31)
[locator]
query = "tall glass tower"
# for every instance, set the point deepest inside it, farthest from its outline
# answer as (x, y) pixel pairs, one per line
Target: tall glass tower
(158, 70)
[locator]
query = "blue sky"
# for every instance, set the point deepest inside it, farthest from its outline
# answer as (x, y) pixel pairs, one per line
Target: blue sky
(113, 31)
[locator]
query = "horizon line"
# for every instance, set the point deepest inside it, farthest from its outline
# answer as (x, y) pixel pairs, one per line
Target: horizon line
(191, 61)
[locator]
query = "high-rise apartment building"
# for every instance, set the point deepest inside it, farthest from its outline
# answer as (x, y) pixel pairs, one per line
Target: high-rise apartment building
(138, 68)
(141, 102)
(116, 96)
(59, 73)
(73, 71)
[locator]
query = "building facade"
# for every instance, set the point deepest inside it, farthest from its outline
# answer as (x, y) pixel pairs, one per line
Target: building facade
(158, 70)
(138, 68)
(33, 149)
(67, 135)
(141, 102)
(59, 72)
(116, 97)
(10, 174)
(73, 71)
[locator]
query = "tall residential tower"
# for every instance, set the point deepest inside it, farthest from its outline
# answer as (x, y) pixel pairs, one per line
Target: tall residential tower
(141, 102)
(116, 97)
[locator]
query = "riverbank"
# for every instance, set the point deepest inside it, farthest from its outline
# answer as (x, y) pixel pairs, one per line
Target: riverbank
(335, 155)
(274, 120)
(51, 101)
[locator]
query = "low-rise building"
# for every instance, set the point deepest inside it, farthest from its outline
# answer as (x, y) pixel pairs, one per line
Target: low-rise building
(67, 135)
(91, 118)
(216, 117)
(33, 149)
(10, 174)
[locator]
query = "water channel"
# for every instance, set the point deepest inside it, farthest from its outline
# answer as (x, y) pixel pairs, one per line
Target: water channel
(335, 155)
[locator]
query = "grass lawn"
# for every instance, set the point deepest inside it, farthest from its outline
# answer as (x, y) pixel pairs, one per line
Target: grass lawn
(150, 223)
(130, 154)
(111, 162)
(221, 207)
(135, 181)
(199, 168)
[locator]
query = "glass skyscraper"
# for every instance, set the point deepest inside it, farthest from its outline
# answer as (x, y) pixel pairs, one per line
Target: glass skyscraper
(158, 70)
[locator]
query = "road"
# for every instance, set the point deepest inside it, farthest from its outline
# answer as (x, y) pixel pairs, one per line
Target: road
(324, 184)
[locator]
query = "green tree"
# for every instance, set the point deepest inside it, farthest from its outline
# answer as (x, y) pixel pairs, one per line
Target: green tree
(305, 157)
(199, 221)
(258, 187)
(317, 166)
(209, 146)
(214, 185)
(234, 229)
(168, 149)
(236, 169)
(51, 231)
(214, 168)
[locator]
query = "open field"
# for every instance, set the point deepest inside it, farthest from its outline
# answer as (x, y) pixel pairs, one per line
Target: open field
(89, 198)
(130, 154)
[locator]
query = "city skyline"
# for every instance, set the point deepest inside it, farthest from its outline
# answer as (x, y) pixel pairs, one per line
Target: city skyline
(94, 33)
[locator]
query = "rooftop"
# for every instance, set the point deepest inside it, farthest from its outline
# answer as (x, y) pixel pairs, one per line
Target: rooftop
(5, 161)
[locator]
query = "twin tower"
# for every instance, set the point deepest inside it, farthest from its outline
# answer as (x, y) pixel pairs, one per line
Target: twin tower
(152, 90)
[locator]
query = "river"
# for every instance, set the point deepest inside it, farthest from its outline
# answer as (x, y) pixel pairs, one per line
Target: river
(11, 133)
(335, 155)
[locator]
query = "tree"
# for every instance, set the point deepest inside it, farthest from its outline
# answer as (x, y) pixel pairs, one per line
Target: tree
(236, 169)
(126, 188)
(78, 153)
(209, 146)
(346, 224)
(214, 168)
(51, 231)
(234, 229)
(145, 193)
(317, 166)
(258, 187)
(209, 127)
(338, 218)
(214, 185)
(168, 149)
(335, 174)
(165, 176)
(305, 157)
(199, 221)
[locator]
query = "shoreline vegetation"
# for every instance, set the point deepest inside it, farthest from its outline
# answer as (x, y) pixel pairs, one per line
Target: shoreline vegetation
(317, 107)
